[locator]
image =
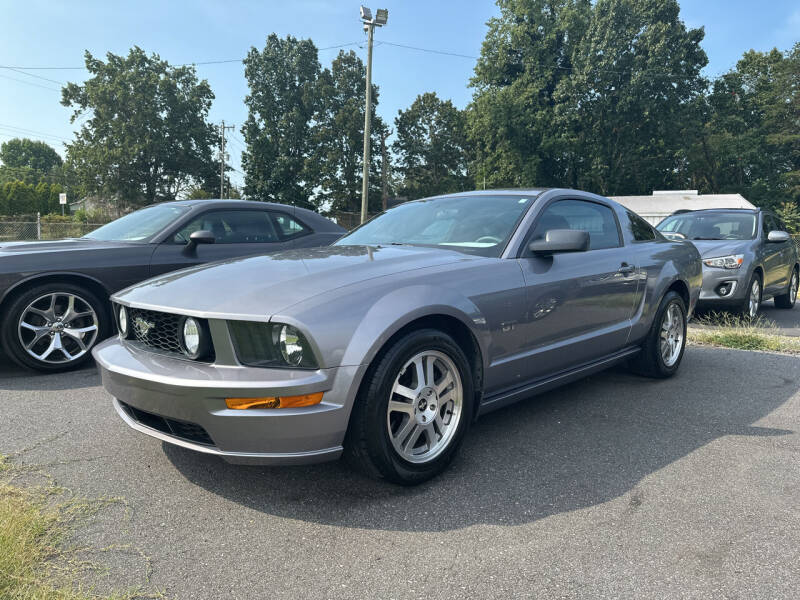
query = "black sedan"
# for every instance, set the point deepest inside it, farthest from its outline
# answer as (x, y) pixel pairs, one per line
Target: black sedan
(54, 295)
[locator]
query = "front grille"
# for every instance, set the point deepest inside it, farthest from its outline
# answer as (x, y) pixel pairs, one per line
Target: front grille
(190, 432)
(155, 329)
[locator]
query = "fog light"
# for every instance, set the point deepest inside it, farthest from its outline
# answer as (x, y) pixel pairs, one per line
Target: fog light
(274, 402)
(726, 288)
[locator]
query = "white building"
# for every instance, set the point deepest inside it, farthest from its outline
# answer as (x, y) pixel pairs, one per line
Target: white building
(663, 203)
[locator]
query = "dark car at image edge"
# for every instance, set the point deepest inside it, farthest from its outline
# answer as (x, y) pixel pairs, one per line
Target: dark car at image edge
(54, 294)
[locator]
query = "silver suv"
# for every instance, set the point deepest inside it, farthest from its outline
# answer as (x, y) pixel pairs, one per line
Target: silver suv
(748, 257)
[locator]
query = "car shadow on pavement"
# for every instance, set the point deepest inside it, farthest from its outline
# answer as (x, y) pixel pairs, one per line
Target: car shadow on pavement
(581, 445)
(14, 377)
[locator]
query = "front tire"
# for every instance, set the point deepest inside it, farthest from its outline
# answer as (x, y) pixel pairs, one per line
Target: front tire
(788, 299)
(663, 348)
(752, 301)
(52, 327)
(413, 410)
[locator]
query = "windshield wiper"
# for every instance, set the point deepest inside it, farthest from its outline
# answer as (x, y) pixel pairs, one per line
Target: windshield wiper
(705, 238)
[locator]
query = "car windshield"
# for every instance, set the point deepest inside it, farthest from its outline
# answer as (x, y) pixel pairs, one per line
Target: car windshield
(710, 226)
(138, 226)
(473, 224)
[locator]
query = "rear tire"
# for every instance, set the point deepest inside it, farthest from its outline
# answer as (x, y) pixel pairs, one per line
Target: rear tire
(413, 409)
(788, 299)
(52, 327)
(663, 348)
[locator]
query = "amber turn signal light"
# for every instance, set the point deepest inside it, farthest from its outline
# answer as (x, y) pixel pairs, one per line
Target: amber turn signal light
(274, 402)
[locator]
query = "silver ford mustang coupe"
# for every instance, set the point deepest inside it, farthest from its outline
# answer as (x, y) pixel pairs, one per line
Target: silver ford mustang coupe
(388, 344)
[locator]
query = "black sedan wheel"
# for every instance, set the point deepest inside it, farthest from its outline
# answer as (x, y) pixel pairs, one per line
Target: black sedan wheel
(53, 327)
(413, 410)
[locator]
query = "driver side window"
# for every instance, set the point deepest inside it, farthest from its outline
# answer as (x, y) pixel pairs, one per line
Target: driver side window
(232, 227)
(596, 219)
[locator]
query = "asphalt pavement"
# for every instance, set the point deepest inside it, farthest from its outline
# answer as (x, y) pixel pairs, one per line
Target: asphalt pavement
(786, 321)
(613, 487)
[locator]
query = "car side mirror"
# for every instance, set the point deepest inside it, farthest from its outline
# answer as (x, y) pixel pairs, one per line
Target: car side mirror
(776, 237)
(202, 236)
(557, 241)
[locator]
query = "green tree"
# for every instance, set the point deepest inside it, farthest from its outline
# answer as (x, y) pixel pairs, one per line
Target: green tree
(282, 101)
(148, 138)
(431, 147)
(790, 213)
(22, 153)
(750, 140)
(336, 161)
(527, 53)
(629, 102)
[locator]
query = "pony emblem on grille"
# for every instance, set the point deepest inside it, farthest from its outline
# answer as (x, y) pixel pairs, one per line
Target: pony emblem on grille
(142, 326)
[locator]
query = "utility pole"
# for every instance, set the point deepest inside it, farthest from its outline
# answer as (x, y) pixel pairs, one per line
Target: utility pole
(222, 129)
(384, 169)
(381, 17)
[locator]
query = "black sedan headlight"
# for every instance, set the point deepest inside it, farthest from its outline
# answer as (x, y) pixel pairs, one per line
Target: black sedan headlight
(271, 345)
(194, 338)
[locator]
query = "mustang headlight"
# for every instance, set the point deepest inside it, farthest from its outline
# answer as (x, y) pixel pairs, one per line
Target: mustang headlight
(290, 345)
(732, 261)
(194, 338)
(271, 345)
(122, 322)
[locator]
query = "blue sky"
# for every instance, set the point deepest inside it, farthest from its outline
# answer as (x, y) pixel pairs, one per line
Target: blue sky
(39, 33)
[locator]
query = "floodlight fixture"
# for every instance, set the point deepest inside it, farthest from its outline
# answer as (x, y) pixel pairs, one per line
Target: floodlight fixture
(366, 14)
(381, 16)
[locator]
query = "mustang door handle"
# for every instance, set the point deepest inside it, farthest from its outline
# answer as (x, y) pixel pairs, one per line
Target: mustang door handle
(626, 269)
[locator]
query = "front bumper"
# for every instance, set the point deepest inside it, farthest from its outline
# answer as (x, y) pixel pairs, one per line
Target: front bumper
(178, 401)
(714, 279)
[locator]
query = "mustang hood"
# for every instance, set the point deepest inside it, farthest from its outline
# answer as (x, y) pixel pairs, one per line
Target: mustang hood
(713, 248)
(260, 286)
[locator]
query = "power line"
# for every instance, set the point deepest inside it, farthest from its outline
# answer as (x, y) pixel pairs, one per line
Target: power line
(44, 87)
(25, 131)
(189, 64)
(36, 76)
(428, 50)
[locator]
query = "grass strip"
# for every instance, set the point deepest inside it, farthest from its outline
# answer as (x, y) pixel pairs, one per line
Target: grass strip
(34, 524)
(733, 331)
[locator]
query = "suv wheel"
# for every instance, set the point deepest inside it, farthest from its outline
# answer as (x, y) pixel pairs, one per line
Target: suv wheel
(752, 300)
(788, 299)
(413, 410)
(52, 327)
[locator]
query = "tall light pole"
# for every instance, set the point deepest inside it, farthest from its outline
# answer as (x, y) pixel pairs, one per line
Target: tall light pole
(381, 17)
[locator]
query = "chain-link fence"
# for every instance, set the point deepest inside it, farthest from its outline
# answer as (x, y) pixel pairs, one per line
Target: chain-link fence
(11, 231)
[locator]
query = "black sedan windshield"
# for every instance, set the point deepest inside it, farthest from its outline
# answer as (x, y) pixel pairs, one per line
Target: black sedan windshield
(474, 224)
(138, 226)
(710, 226)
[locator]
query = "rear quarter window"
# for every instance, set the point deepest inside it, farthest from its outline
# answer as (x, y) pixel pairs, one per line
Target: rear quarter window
(640, 229)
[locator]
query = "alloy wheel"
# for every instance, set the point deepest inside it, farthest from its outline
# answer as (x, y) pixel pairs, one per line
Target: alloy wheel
(793, 288)
(754, 300)
(672, 334)
(425, 406)
(58, 328)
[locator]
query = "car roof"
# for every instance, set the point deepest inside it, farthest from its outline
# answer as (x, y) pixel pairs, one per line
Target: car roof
(494, 192)
(316, 220)
(686, 211)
